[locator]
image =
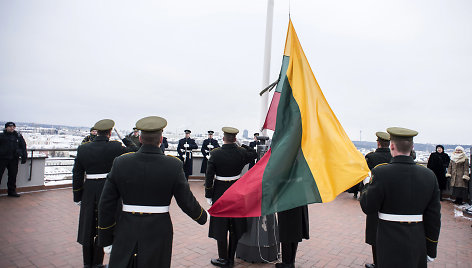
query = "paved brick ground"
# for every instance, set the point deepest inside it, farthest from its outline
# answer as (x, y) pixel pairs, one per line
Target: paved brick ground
(39, 230)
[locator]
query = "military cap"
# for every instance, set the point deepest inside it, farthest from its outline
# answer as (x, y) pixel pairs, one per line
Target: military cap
(9, 124)
(256, 134)
(104, 124)
(92, 129)
(230, 130)
(399, 133)
(187, 131)
(151, 123)
(211, 132)
(382, 135)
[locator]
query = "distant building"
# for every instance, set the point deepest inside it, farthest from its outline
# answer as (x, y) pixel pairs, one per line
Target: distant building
(245, 134)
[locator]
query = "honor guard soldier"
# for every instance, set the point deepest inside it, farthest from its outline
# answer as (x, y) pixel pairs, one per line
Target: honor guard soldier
(93, 162)
(134, 137)
(406, 198)
(184, 149)
(164, 144)
(91, 136)
(253, 144)
(208, 145)
(224, 168)
(146, 181)
(381, 155)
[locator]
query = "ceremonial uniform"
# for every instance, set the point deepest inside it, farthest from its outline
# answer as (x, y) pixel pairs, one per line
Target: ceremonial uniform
(134, 139)
(208, 145)
(93, 162)
(185, 154)
(146, 181)
(406, 198)
(224, 169)
(88, 138)
(164, 144)
(253, 144)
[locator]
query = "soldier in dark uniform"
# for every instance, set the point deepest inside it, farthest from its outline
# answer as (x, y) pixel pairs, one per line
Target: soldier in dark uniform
(12, 147)
(253, 144)
(406, 198)
(293, 227)
(208, 145)
(134, 137)
(93, 162)
(146, 181)
(381, 155)
(184, 149)
(91, 136)
(164, 144)
(224, 169)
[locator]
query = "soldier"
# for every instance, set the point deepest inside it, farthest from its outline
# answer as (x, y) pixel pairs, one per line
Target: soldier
(406, 198)
(380, 156)
(224, 169)
(164, 144)
(293, 227)
(91, 136)
(253, 144)
(93, 162)
(184, 149)
(12, 147)
(134, 137)
(208, 145)
(146, 181)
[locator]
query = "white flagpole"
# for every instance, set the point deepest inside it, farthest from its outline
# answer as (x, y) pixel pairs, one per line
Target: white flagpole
(266, 69)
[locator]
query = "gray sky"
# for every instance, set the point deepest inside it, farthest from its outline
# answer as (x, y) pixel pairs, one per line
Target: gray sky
(199, 63)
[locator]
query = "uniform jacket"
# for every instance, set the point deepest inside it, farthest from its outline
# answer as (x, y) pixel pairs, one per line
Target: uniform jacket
(381, 155)
(12, 145)
(164, 144)
(88, 138)
(206, 152)
(145, 178)
(459, 173)
(253, 144)
(134, 139)
(404, 188)
(92, 158)
(226, 161)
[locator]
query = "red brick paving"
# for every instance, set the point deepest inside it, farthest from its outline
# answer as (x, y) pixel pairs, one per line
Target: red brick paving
(39, 230)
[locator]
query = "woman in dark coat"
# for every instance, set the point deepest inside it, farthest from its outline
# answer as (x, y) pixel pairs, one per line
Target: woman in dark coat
(438, 162)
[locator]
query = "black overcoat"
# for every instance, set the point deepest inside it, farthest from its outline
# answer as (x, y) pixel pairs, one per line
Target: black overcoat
(293, 224)
(188, 160)
(380, 156)
(145, 178)
(404, 188)
(438, 163)
(206, 152)
(226, 161)
(94, 157)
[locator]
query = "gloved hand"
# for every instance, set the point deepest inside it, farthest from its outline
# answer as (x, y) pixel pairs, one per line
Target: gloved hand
(78, 203)
(207, 156)
(107, 249)
(429, 259)
(367, 179)
(209, 201)
(23, 160)
(186, 145)
(210, 146)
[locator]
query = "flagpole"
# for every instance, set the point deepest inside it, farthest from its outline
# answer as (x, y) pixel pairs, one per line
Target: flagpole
(266, 68)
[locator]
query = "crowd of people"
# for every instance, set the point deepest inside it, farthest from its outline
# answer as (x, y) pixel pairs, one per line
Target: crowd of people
(124, 193)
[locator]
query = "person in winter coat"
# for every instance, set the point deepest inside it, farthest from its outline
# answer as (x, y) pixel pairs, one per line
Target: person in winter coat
(458, 171)
(12, 147)
(438, 162)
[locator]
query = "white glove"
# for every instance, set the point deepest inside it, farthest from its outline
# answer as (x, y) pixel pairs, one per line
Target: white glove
(209, 201)
(107, 249)
(186, 145)
(367, 179)
(207, 156)
(210, 146)
(429, 259)
(78, 203)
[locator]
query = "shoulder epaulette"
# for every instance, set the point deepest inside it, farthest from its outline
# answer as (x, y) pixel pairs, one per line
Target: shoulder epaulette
(174, 157)
(128, 153)
(381, 164)
(86, 142)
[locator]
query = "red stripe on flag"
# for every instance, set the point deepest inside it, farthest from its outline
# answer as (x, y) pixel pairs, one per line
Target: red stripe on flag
(271, 116)
(243, 198)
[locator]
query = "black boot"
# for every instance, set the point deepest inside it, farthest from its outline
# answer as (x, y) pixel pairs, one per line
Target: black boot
(222, 261)
(219, 262)
(13, 194)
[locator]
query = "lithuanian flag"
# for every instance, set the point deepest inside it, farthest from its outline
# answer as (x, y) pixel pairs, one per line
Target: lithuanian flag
(311, 159)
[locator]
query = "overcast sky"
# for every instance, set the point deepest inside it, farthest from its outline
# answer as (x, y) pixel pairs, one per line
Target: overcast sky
(199, 63)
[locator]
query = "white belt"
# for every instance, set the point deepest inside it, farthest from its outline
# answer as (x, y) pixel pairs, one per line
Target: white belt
(400, 218)
(145, 209)
(232, 178)
(96, 176)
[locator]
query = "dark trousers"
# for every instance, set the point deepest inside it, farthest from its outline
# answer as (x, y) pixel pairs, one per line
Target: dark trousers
(93, 254)
(374, 255)
(12, 166)
(289, 252)
(227, 251)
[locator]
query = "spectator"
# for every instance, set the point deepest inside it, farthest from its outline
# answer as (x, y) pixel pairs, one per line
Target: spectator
(458, 170)
(438, 162)
(12, 147)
